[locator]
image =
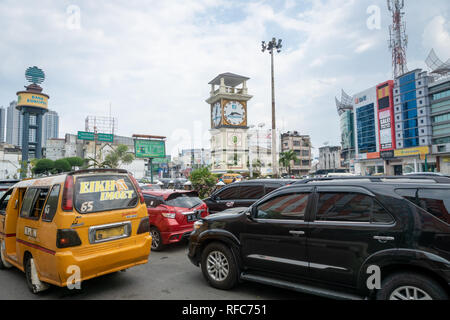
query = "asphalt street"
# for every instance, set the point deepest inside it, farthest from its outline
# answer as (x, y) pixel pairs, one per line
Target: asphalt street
(169, 275)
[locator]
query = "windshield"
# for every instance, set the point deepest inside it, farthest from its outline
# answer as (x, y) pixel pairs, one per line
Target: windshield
(103, 193)
(183, 200)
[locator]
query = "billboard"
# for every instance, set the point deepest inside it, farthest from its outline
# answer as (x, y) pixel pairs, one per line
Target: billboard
(32, 100)
(385, 105)
(149, 148)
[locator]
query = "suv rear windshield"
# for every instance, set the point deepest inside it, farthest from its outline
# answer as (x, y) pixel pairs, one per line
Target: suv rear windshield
(434, 201)
(103, 193)
(183, 200)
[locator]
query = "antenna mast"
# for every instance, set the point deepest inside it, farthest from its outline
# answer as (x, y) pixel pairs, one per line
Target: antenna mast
(398, 40)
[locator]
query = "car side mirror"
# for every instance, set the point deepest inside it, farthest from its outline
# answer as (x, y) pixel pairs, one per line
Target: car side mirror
(251, 213)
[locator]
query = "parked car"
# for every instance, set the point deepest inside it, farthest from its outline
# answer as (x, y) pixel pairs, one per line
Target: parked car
(231, 177)
(172, 214)
(329, 236)
(243, 194)
(149, 186)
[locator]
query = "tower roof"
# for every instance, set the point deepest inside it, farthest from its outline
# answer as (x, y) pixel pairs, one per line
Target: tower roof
(231, 79)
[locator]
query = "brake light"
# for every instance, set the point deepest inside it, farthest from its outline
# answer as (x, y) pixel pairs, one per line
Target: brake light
(67, 198)
(144, 226)
(136, 185)
(67, 238)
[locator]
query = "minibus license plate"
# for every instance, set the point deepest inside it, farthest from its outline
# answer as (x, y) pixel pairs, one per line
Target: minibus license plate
(103, 234)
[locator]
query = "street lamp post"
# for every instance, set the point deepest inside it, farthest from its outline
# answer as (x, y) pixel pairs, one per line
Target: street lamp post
(273, 44)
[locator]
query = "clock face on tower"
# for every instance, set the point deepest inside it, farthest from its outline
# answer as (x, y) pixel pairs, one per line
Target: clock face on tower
(234, 113)
(216, 114)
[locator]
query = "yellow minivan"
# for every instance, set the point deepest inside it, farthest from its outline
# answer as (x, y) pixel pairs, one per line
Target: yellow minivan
(68, 228)
(231, 177)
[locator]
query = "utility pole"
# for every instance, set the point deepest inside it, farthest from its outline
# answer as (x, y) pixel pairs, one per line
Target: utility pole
(273, 44)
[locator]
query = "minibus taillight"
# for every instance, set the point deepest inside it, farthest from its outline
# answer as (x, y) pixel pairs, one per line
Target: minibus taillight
(67, 199)
(136, 185)
(144, 226)
(67, 238)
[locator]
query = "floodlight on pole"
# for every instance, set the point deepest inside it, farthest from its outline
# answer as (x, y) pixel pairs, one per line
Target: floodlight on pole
(273, 44)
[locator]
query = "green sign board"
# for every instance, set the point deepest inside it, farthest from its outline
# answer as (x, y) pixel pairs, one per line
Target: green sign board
(161, 160)
(83, 135)
(104, 137)
(149, 148)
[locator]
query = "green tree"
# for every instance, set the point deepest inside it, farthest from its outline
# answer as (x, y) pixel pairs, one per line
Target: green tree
(43, 166)
(203, 181)
(75, 162)
(286, 158)
(118, 157)
(62, 165)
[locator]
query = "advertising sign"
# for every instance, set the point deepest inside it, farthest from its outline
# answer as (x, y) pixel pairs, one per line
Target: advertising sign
(149, 148)
(32, 100)
(411, 151)
(385, 116)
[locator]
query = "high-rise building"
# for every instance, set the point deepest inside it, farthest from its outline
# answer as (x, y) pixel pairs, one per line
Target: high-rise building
(14, 124)
(50, 126)
(2, 124)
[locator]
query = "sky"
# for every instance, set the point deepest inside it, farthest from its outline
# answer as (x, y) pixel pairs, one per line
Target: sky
(151, 61)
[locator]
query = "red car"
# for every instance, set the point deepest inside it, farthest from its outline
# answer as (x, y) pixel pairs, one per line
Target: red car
(172, 215)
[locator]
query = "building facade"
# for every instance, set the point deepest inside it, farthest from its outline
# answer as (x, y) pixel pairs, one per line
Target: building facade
(439, 96)
(413, 130)
(330, 159)
(301, 145)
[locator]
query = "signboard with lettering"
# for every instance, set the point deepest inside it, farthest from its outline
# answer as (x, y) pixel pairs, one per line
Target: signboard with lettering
(149, 148)
(83, 135)
(105, 137)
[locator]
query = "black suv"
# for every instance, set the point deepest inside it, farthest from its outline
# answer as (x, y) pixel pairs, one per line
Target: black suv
(243, 194)
(381, 238)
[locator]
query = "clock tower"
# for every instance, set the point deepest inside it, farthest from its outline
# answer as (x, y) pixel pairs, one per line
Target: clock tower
(228, 106)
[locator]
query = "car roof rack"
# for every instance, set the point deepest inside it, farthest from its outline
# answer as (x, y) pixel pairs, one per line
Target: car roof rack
(436, 179)
(99, 170)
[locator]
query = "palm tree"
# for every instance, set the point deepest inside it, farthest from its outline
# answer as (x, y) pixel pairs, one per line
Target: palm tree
(286, 158)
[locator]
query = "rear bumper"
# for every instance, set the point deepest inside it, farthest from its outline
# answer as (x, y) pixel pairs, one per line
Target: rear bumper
(172, 236)
(100, 259)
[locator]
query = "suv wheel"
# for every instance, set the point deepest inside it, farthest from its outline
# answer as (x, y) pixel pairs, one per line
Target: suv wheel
(157, 244)
(410, 286)
(219, 267)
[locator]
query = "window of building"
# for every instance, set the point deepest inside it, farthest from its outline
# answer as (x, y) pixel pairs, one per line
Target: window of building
(285, 207)
(441, 95)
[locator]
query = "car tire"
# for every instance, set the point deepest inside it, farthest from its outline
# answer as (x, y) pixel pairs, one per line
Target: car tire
(157, 244)
(3, 263)
(219, 266)
(410, 286)
(35, 285)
